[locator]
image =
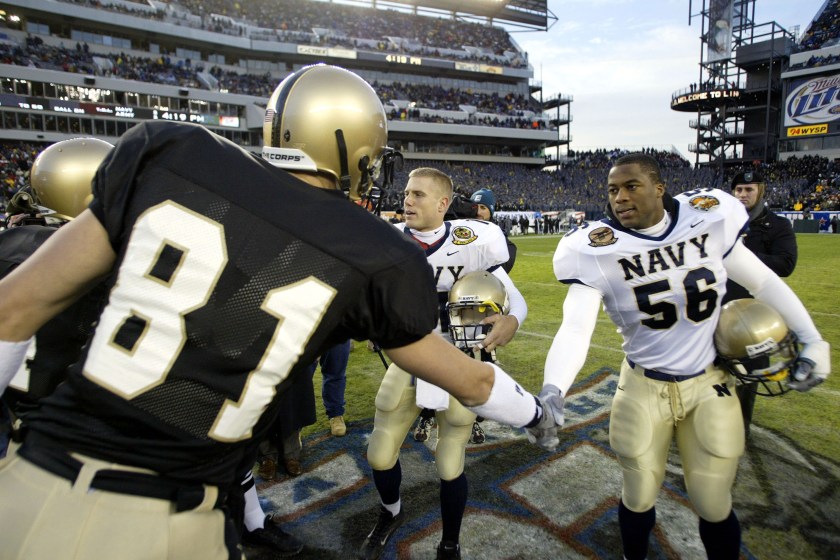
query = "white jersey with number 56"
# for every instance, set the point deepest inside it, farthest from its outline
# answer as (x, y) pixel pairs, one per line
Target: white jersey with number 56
(649, 283)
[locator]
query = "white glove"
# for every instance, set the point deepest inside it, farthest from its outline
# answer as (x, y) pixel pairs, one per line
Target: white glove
(812, 366)
(544, 434)
(12, 355)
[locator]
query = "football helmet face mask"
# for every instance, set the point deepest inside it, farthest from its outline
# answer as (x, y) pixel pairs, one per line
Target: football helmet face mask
(756, 345)
(61, 175)
(328, 120)
(473, 297)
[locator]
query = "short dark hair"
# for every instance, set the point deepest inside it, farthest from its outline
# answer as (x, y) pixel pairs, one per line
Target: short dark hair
(648, 164)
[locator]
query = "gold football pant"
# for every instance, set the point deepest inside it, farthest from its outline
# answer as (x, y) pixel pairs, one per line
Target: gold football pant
(705, 416)
(396, 411)
(44, 517)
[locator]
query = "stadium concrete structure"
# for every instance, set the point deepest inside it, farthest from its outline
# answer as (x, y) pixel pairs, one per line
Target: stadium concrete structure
(757, 98)
(48, 104)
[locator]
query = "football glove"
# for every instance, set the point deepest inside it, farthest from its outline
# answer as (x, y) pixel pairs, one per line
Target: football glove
(544, 434)
(812, 366)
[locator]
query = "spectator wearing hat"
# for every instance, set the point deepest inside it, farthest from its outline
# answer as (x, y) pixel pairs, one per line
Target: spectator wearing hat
(485, 202)
(772, 240)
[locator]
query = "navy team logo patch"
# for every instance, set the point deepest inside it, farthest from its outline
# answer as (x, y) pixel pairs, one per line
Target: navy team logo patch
(602, 237)
(703, 202)
(462, 235)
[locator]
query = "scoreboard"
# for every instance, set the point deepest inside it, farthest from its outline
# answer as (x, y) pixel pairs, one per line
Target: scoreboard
(38, 104)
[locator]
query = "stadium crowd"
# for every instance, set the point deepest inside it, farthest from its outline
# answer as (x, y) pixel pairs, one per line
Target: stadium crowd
(336, 25)
(385, 30)
(578, 183)
(163, 69)
(824, 30)
(809, 182)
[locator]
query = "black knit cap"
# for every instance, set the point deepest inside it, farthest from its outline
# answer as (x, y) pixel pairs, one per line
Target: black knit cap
(747, 177)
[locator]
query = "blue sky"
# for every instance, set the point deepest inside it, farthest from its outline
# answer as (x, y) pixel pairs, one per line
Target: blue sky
(622, 60)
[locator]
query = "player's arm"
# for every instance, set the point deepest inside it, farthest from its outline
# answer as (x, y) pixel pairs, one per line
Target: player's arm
(66, 266)
(483, 387)
(568, 351)
(565, 358)
(505, 326)
(746, 269)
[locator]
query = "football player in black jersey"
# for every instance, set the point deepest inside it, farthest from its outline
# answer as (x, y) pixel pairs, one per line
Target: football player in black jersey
(217, 295)
(56, 195)
(60, 184)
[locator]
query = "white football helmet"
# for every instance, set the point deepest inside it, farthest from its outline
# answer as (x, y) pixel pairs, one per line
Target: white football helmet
(473, 297)
(61, 175)
(756, 345)
(328, 120)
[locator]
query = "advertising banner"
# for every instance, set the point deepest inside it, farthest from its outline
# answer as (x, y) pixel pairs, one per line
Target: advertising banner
(719, 36)
(813, 102)
(807, 130)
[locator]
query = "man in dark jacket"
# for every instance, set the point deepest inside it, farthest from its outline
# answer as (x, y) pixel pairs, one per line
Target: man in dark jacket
(772, 240)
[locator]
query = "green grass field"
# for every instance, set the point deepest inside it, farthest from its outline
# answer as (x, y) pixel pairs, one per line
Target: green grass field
(811, 419)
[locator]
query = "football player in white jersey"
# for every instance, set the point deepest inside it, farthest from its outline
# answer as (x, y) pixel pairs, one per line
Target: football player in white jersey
(659, 265)
(453, 249)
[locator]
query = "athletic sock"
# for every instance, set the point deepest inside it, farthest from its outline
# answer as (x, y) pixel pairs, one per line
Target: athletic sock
(254, 516)
(722, 539)
(635, 531)
(453, 502)
(388, 484)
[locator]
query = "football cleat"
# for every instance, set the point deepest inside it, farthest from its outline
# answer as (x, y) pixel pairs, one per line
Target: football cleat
(378, 538)
(424, 428)
(271, 536)
(477, 435)
(448, 550)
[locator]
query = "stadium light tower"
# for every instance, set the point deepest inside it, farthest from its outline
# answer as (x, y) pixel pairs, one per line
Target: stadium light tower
(737, 94)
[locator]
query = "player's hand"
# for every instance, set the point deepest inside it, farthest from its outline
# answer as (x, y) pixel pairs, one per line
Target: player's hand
(812, 366)
(544, 434)
(503, 329)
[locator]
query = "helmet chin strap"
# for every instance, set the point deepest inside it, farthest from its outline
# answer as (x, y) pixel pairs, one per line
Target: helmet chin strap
(344, 179)
(391, 160)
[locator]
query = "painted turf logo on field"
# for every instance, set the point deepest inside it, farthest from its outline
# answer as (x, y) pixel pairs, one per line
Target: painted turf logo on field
(566, 501)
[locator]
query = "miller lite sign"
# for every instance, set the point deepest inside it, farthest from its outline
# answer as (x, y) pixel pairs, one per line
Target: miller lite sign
(813, 101)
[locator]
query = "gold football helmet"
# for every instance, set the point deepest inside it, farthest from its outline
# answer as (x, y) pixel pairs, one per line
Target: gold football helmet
(61, 175)
(473, 297)
(756, 345)
(327, 119)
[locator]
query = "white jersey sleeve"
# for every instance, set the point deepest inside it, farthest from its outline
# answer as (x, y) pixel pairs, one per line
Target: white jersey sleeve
(571, 343)
(746, 269)
(518, 306)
